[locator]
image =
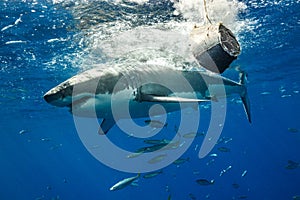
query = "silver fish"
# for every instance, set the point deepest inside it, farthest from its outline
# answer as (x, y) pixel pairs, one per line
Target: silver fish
(152, 174)
(157, 159)
(205, 182)
(123, 183)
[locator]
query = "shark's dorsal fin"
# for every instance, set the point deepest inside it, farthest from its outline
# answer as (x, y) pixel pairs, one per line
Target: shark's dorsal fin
(168, 99)
(106, 124)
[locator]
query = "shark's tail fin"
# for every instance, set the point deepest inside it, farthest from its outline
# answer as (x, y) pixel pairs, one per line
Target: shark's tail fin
(244, 95)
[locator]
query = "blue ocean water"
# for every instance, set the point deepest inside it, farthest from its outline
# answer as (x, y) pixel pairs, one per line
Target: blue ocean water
(42, 156)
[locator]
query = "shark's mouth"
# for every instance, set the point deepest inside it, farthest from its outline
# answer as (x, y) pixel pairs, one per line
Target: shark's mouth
(58, 99)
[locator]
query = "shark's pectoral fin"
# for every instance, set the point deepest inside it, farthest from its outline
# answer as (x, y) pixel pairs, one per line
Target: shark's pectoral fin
(244, 95)
(170, 99)
(246, 103)
(106, 125)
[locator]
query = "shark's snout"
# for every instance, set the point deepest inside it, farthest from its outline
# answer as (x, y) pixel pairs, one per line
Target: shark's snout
(58, 97)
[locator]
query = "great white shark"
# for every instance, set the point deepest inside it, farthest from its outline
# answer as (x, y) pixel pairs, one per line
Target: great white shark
(93, 92)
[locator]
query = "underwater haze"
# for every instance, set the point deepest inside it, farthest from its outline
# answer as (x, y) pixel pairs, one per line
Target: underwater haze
(44, 42)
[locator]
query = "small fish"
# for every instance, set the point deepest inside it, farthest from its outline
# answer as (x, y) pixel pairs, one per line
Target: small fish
(45, 139)
(244, 173)
(173, 145)
(167, 188)
(181, 160)
(220, 140)
(196, 147)
(134, 184)
(213, 155)
(190, 135)
(201, 134)
(21, 132)
(155, 147)
(123, 183)
(157, 159)
(242, 197)
(150, 148)
(169, 146)
(293, 130)
(296, 197)
(224, 149)
(235, 185)
(152, 174)
(228, 140)
(156, 123)
(225, 170)
(164, 141)
(265, 93)
(292, 165)
(281, 89)
(205, 182)
(134, 155)
(224, 140)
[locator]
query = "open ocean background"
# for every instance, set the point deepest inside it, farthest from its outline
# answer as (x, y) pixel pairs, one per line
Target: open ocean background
(42, 43)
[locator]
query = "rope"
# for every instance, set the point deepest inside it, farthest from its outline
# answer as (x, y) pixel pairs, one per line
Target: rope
(205, 12)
